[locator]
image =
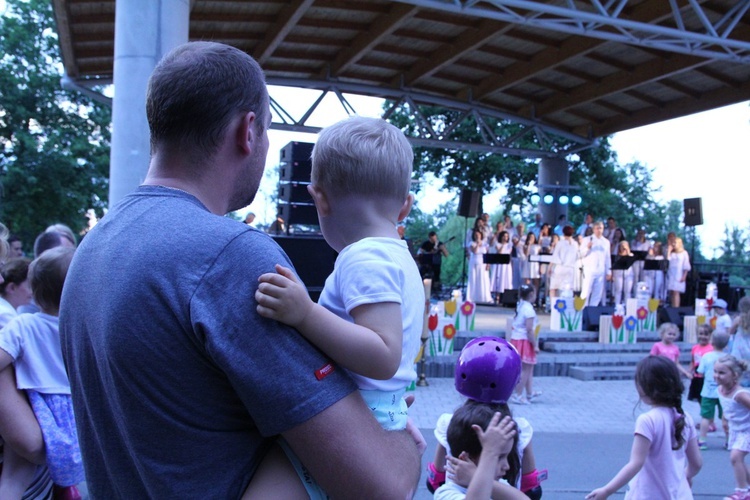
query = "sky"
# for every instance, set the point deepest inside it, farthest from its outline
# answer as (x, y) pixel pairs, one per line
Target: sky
(705, 155)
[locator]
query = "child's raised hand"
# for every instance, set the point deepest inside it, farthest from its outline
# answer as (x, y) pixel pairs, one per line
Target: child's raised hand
(281, 296)
(460, 470)
(499, 431)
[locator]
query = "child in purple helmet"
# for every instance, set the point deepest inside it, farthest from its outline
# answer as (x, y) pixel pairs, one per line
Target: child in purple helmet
(487, 371)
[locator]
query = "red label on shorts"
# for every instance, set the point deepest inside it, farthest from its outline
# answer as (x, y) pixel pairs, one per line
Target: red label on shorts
(322, 373)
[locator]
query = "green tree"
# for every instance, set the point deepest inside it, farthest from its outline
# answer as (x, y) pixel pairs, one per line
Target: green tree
(54, 161)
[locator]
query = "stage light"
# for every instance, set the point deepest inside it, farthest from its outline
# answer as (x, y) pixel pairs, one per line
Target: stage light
(535, 199)
(548, 199)
(564, 199)
(576, 199)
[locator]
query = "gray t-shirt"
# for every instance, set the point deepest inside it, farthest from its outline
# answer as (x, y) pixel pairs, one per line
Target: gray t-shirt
(176, 380)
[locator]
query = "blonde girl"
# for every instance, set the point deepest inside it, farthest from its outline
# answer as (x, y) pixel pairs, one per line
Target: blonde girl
(735, 401)
(740, 331)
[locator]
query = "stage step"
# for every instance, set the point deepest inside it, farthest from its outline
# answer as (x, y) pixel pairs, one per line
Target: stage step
(596, 347)
(602, 372)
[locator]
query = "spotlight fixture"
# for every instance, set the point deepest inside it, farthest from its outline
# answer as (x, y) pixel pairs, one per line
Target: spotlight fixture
(563, 199)
(548, 199)
(535, 199)
(576, 199)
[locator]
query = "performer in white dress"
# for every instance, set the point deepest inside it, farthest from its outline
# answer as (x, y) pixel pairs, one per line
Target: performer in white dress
(622, 283)
(565, 258)
(655, 277)
(478, 289)
(501, 275)
(679, 266)
(640, 244)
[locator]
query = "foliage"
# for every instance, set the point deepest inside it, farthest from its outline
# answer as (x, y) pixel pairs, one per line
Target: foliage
(734, 254)
(54, 154)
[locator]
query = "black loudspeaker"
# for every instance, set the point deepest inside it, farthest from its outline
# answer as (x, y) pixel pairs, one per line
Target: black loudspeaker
(510, 298)
(294, 192)
(298, 213)
(590, 317)
(674, 315)
(693, 211)
(312, 258)
(468, 204)
(294, 162)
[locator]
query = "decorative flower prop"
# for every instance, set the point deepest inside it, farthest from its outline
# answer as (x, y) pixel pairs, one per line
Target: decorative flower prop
(432, 324)
(560, 305)
(709, 303)
(617, 321)
(700, 320)
(568, 321)
(642, 313)
(579, 303)
(653, 305)
(630, 324)
(450, 307)
(537, 330)
(449, 331)
(713, 322)
(467, 309)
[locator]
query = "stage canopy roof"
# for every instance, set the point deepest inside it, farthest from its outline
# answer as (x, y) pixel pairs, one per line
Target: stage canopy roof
(573, 69)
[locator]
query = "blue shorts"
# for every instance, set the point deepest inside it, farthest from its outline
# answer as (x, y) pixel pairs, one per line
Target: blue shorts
(389, 408)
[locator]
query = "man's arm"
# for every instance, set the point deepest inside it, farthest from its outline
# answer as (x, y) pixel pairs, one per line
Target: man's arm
(351, 456)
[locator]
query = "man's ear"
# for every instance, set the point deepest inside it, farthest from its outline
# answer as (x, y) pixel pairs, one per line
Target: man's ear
(406, 207)
(246, 133)
(320, 199)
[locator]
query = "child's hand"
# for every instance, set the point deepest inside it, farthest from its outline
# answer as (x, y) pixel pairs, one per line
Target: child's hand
(460, 470)
(597, 494)
(282, 297)
(498, 433)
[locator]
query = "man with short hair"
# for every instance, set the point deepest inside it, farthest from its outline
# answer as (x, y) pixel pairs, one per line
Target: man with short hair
(433, 251)
(16, 247)
(588, 219)
(180, 388)
(597, 265)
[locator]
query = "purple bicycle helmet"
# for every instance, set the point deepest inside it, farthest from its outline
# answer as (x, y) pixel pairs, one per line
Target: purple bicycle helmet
(488, 370)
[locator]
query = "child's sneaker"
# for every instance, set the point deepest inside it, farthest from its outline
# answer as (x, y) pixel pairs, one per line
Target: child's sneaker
(739, 495)
(435, 478)
(702, 445)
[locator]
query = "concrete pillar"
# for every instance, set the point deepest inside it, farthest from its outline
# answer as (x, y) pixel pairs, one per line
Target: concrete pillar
(145, 30)
(552, 172)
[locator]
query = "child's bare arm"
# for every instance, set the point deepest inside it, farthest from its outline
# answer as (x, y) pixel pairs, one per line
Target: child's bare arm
(371, 346)
(638, 455)
(694, 458)
(275, 478)
(743, 398)
(5, 360)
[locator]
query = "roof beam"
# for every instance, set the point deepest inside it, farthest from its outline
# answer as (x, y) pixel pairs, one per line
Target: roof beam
(448, 53)
(674, 109)
(287, 20)
(366, 40)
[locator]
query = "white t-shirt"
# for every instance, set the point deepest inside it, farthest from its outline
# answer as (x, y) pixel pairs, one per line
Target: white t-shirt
(33, 341)
(723, 323)
(371, 271)
(524, 311)
(7, 312)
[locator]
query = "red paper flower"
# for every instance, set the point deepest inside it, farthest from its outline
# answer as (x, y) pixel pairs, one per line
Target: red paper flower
(467, 308)
(709, 303)
(432, 322)
(449, 331)
(617, 321)
(642, 313)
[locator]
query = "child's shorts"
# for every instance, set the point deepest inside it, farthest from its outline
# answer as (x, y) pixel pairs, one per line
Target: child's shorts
(389, 408)
(55, 415)
(313, 488)
(708, 408)
(739, 440)
(696, 385)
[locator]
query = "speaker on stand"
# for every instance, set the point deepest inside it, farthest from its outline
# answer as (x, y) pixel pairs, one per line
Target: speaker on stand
(468, 206)
(693, 217)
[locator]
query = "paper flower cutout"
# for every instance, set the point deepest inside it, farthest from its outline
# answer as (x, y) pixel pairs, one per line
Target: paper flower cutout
(537, 330)
(709, 303)
(700, 320)
(630, 323)
(579, 303)
(467, 308)
(713, 322)
(617, 321)
(560, 305)
(450, 307)
(432, 322)
(449, 331)
(642, 312)
(653, 305)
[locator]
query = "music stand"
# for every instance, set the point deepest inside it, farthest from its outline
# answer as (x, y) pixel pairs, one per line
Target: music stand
(656, 265)
(639, 254)
(496, 258)
(622, 262)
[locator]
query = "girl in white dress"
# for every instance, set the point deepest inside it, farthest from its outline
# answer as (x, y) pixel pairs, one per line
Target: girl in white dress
(478, 289)
(679, 266)
(501, 275)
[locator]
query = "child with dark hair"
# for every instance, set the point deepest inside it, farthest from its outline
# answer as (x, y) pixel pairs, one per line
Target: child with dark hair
(665, 454)
(523, 338)
(486, 439)
(487, 370)
(31, 342)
